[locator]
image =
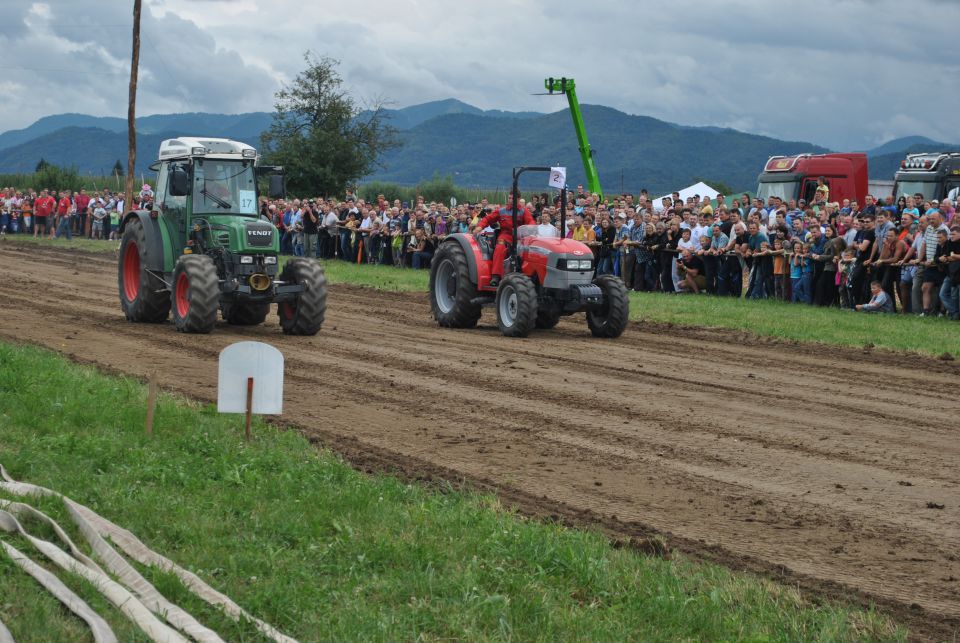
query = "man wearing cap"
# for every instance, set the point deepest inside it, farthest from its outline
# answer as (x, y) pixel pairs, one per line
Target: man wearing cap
(503, 219)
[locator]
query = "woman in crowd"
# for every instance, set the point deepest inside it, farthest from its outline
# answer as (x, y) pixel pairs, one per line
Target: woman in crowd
(606, 238)
(825, 292)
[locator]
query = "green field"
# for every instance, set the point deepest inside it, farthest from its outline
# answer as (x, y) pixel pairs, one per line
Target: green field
(764, 318)
(308, 544)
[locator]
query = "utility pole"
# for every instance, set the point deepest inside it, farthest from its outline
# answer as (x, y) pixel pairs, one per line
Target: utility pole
(132, 110)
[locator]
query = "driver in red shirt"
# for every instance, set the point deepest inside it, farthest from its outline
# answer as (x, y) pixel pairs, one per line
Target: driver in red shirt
(503, 219)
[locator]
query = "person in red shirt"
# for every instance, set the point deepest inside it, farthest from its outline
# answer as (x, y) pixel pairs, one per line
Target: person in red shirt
(42, 208)
(81, 200)
(503, 218)
(64, 206)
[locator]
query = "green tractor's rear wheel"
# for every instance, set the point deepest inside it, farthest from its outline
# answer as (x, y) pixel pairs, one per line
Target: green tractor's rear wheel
(195, 294)
(142, 296)
(610, 319)
(304, 315)
(247, 314)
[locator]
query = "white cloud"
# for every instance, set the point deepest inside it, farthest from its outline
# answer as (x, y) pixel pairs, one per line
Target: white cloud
(841, 73)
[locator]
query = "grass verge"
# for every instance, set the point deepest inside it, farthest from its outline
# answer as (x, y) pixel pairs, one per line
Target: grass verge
(765, 318)
(321, 551)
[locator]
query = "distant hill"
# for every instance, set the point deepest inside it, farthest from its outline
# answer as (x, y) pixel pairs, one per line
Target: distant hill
(476, 147)
(660, 156)
(410, 117)
(901, 145)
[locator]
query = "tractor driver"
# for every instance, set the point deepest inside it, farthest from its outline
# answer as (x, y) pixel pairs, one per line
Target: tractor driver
(503, 219)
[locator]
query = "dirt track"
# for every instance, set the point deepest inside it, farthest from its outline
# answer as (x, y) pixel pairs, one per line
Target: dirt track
(813, 465)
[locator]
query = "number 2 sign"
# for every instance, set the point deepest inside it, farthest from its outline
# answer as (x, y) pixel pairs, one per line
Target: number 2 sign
(558, 177)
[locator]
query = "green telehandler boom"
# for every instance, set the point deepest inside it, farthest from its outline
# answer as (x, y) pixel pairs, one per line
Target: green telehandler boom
(568, 87)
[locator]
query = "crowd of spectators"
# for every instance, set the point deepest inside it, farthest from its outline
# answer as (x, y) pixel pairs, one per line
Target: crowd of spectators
(879, 256)
(64, 213)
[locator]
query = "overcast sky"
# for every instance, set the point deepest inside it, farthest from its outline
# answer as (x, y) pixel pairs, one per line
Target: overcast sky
(847, 74)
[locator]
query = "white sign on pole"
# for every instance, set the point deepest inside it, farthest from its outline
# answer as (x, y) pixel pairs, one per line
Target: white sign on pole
(558, 177)
(244, 360)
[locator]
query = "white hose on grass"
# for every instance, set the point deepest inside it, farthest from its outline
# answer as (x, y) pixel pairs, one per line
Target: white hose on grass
(95, 529)
(99, 627)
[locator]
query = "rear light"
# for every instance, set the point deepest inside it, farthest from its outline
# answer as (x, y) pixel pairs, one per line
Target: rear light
(903, 164)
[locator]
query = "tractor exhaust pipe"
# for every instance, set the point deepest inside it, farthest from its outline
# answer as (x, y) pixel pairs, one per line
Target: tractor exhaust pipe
(260, 282)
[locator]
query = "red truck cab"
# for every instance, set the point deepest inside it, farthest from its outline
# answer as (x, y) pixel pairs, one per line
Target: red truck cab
(795, 177)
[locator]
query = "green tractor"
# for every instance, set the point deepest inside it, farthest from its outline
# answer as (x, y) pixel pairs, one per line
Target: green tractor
(203, 246)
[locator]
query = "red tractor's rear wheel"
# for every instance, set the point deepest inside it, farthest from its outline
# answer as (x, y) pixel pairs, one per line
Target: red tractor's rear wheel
(451, 289)
(195, 294)
(142, 296)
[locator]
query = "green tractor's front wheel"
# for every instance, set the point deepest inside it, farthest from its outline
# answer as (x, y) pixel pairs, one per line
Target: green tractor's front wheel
(303, 315)
(195, 294)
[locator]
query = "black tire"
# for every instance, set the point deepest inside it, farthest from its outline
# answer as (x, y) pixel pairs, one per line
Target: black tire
(195, 294)
(304, 315)
(247, 314)
(547, 319)
(610, 319)
(516, 305)
(452, 289)
(142, 296)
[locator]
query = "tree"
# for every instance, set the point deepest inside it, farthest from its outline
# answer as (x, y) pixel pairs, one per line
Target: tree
(117, 168)
(319, 134)
(42, 164)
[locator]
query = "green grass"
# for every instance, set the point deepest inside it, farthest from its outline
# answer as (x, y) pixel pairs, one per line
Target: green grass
(764, 318)
(801, 323)
(321, 551)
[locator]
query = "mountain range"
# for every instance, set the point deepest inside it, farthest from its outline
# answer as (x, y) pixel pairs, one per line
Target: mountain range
(477, 147)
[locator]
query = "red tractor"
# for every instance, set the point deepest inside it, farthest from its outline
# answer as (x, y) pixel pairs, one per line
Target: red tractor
(546, 277)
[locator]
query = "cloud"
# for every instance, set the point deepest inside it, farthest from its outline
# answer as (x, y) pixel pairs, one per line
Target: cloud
(840, 73)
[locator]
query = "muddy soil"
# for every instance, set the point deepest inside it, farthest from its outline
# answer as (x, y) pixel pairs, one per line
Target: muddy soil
(819, 466)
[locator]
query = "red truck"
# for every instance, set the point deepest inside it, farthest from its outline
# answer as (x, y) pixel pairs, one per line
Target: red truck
(795, 177)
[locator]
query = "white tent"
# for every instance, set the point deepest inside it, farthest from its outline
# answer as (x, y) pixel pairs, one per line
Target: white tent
(704, 190)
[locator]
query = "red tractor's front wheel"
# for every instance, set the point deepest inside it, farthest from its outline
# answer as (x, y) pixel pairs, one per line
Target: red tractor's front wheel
(516, 305)
(611, 318)
(195, 294)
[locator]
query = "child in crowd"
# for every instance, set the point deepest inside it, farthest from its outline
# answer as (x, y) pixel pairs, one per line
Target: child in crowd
(880, 301)
(801, 272)
(114, 223)
(779, 270)
(848, 264)
(99, 214)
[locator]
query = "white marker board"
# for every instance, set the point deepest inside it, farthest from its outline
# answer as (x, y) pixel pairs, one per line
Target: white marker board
(243, 360)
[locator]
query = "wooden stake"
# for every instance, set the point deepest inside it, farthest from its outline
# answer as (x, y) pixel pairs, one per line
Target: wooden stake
(249, 405)
(151, 402)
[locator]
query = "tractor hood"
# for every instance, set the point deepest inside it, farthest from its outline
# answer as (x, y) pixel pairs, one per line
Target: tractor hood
(245, 234)
(556, 246)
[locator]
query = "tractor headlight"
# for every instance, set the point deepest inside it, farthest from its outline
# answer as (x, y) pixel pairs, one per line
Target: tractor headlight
(585, 264)
(577, 264)
(269, 260)
(246, 259)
